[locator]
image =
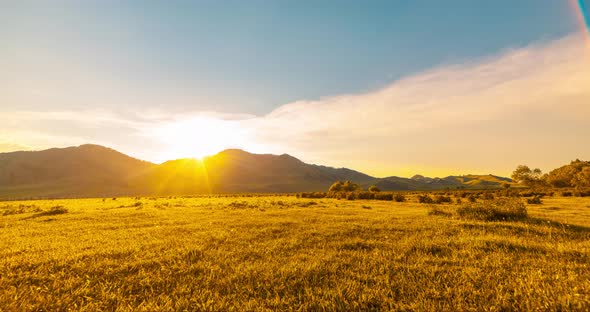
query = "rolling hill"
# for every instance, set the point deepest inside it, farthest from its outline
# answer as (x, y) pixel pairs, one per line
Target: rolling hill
(97, 171)
(419, 182)
(86, 170)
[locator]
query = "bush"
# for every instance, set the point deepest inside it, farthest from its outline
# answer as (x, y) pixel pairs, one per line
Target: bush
(313, 195)
(374, 189)
(399, 198)
(494, 210)
(57, 210)
(383, 196)
(365, 195)
(425, 199)
(536, 200)
(437, 211)
(441, 199)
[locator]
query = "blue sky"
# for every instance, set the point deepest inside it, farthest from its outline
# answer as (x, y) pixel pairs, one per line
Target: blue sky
(252, 56)
(385, 87)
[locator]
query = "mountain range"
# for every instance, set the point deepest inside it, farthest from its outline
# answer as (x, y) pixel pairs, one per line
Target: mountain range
(97, 171)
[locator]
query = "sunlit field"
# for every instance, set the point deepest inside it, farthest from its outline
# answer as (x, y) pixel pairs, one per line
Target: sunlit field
(287, 253)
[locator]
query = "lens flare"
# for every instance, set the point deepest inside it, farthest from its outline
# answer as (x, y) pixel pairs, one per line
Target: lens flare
(581, 9)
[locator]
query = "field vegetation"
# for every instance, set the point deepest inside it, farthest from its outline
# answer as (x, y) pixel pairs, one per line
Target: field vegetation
(264, 252)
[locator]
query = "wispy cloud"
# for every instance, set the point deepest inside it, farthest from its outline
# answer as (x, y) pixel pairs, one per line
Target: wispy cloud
(530, 104)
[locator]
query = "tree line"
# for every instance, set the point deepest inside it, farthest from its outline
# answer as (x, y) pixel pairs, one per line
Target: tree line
(576, 175)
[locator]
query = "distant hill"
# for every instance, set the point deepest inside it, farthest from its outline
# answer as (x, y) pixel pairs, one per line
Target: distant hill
(239, 171)
(86, 170)
(419, 182)
(93, 170)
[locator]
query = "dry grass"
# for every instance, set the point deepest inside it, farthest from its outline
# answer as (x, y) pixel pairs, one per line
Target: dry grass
(285, 253)
(503, 209)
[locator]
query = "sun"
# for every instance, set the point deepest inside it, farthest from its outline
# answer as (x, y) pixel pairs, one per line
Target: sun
(198, 137)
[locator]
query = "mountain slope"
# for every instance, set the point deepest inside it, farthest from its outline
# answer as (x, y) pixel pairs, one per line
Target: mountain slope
(92, 170)
(419, 182)
(86, 170)
(240, 171)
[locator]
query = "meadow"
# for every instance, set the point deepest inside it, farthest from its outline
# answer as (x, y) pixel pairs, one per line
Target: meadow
(238, 253)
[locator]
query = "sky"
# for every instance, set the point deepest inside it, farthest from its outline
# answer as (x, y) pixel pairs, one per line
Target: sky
(384, 87)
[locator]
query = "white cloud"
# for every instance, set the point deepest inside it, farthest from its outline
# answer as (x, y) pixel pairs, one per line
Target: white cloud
(530, 104)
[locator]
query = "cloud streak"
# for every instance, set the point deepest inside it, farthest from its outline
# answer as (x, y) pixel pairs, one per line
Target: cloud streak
(530, 104)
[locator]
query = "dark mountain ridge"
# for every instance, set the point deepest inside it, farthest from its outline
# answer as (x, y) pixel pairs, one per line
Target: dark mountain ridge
(93, 170)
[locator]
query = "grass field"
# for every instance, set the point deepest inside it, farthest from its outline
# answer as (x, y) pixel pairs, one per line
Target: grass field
(288, 253)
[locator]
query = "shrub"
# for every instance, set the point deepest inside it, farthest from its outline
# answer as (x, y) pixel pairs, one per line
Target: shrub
(384, 196)
(494, 210)
(566, 194)
(440, 199)
(536, 200)
(488, 196)
(313, 195)
(365, 195)
(425, 199)
(55, 210)
(438, 211)
(399, 198)
(472, 198)
(374, 189)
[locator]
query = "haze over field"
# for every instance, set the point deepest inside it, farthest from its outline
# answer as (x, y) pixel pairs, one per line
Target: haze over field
(463, 87)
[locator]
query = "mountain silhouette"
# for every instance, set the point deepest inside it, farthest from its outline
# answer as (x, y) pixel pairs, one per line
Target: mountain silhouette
(97, 171)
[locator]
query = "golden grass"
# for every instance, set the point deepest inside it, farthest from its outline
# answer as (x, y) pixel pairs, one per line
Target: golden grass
(285, 253)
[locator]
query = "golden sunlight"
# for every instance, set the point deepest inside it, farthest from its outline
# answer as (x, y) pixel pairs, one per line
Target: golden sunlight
(198, 137)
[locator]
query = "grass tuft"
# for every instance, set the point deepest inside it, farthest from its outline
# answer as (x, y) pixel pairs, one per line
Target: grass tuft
(504, 209)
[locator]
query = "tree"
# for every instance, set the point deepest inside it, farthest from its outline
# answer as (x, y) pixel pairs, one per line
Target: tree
(336, 186)
(571, 175)
(349, 186)
(374, 189)
(346, 186)
(524, 175)
(582, 178)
